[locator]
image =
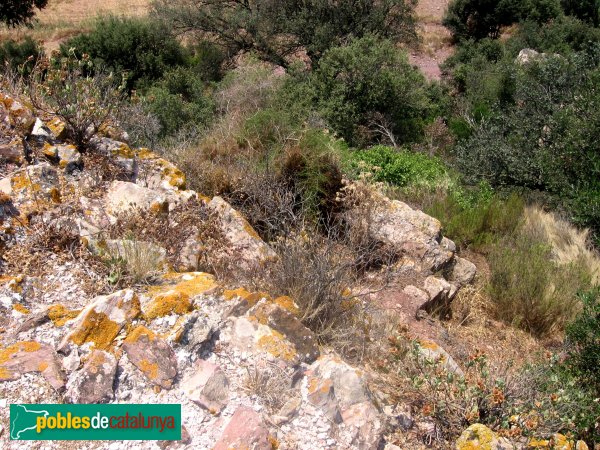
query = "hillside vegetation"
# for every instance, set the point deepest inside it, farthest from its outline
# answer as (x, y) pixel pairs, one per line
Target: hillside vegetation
(306, 174)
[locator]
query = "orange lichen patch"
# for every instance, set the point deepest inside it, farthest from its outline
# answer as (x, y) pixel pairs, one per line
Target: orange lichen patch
(96, 327)
(27, 346)
(316, 384)
(59, 315)
(42, 366)
(169, 303)
(188, 285)
(20, 308)
(13, 283)
(429, 345)
(288, 304)
(248, 228)
(138, 332)
(149, 369)
(49, 150)
(58, 128)
(273, 442)
(275, 344)
(175, 177)
(251, 297)
(21, 181)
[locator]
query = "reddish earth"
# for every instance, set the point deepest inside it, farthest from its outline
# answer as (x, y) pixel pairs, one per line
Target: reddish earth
(435, 46)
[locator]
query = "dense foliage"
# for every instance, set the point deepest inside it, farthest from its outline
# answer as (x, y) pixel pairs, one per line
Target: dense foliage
(20, 56)
(140, 48)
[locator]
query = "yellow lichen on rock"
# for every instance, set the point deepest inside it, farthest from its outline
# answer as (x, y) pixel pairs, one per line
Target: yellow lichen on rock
(149, 369)
(188, 284)
(477, 437)
(288, 304)
(276, 344)
(138, 332)
(20, 308)
(6, 353)
(59, 315)
(166, 304)
(97, 328)
(252, 298)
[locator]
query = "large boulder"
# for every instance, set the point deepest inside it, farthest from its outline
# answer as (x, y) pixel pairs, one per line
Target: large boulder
(123, 196)
(250, 250)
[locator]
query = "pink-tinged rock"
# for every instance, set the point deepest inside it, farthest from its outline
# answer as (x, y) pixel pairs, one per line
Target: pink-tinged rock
(31, 356)
(245, 430)
(208, 387)
(321, 394)
(152, 355)
(365, 426)
(94, 382)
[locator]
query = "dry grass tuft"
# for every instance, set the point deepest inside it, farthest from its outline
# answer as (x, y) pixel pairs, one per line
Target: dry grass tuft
(569, 244)
(269, 382)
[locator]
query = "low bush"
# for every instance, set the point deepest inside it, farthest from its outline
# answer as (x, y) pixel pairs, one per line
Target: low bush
(583, 342)
(402, 167)
(179, 99)
(20, 57)
(64, 87)
(476, 217)
(529, 289)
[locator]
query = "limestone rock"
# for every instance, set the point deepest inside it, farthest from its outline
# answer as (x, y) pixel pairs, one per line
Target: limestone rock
(36, 186)
(440, 293)
(102, 320)
(283, 321)
(478, 436)
(159, 173)
(20, 117)
(410, 232)
(67, 156)
(462, 271)
(94, 382)
(527, 55)
(250, 249)
(366, 426)
(245, 430)
(208, 387)
(433, 352)
(152, 355)
(122, 196)
(31, 356)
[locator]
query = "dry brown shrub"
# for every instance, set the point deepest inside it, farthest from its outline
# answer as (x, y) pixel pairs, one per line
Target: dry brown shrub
(270, 382)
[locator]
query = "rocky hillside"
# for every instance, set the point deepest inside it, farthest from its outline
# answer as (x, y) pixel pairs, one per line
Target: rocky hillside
(89, 314)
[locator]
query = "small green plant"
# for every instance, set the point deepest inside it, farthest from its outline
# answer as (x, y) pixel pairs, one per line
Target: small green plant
(402, 167)
(476, 217)
(64, 87)
(583, 339)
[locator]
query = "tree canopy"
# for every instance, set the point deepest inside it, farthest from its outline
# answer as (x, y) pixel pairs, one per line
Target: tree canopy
(18, 12)
(278, 29)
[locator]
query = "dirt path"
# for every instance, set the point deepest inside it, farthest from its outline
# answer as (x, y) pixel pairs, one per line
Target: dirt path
(435, 47)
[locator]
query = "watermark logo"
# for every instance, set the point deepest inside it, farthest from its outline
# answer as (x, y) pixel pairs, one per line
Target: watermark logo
(95, 422)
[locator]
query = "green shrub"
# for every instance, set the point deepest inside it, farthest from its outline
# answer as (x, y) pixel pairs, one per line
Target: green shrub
(141, 48)
(477, 218)
(583, 338)
(19, 12)
(368, 92)
(20, 56)
(178, 99)
(401, 167)
(530, 290)
(479, 19)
